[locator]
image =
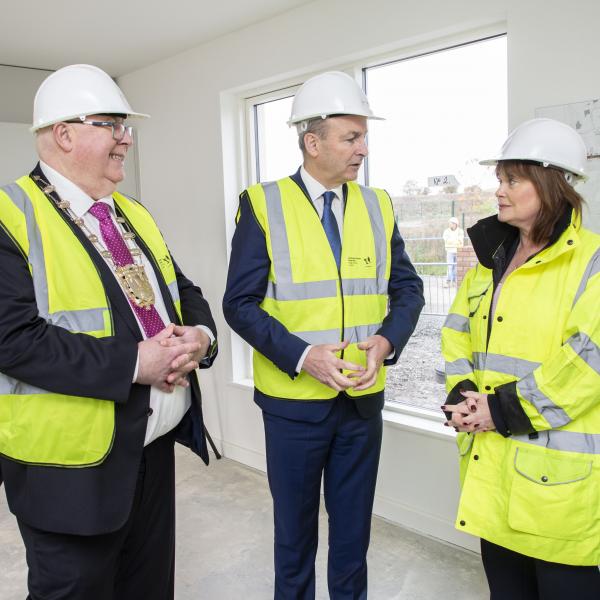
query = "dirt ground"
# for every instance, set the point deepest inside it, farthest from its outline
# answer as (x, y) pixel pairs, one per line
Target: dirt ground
(413, 380)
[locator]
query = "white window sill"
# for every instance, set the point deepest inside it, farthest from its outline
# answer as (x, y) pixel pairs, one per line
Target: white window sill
(412, 418)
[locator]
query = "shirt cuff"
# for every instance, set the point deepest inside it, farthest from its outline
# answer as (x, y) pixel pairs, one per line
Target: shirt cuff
(302, 358)
(208, 332)
(137, 365)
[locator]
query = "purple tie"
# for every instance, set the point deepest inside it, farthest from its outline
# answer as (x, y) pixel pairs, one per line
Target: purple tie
(149, 318)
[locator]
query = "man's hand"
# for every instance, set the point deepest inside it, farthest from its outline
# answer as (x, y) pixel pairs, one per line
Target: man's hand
(377, 348)
(322, 363)
(166, 366)
(471, 415)
(184, 334)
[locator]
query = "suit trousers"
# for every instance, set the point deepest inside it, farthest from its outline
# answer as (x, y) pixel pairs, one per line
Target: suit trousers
(514, 576)
(343, 449)
(136, 562)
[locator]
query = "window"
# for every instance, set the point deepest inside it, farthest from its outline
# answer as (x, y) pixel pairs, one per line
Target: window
(275, 152)
(444, 111)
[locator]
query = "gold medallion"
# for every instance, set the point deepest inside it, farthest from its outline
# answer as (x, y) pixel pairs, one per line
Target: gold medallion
(135, 282)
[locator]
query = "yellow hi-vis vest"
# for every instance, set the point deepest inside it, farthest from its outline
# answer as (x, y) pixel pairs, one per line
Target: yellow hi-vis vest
(307, 294)
(38, 426)
(538, 495)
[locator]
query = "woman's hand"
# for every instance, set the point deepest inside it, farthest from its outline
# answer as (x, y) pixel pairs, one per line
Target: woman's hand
(473, 414)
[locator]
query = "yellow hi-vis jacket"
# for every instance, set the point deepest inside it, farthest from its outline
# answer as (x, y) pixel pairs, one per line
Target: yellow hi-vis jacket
(307, 294)
(37, 426)
(535, 493)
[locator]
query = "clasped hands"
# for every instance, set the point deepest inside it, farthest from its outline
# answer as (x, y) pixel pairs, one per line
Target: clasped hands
(322, 363)
(472, 414)
(166, 359)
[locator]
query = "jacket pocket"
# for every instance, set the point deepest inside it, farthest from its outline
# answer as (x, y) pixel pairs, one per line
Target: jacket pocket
(552, 495)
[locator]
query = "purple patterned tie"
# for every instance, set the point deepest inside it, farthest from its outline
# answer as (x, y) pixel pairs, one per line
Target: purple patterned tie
(149, 318)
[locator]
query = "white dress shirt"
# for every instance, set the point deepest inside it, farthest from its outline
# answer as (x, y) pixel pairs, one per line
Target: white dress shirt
(167, 409)
(315, 191)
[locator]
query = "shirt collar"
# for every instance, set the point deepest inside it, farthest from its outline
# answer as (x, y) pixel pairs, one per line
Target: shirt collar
(316, 189)
(80, 202)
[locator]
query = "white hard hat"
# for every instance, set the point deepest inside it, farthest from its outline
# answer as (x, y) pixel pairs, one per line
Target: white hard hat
(331, 93)
(453, 220)
(78, 91)
(548, 142)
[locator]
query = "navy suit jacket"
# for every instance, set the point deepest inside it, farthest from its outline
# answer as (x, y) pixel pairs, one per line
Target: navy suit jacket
(98, 499)
(246, 287)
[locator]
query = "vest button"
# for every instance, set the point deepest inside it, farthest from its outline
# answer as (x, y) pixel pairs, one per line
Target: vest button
(570, 242)
(149, 412)
(476, 457)
(488, 387)
(544, 478)
(500, 319)
(484, 317)
(462, 523)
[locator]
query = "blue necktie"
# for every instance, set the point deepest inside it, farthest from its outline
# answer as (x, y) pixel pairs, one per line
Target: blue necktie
(331, 227)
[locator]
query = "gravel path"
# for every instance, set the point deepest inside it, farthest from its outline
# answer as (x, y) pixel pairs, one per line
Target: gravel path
(412, 380)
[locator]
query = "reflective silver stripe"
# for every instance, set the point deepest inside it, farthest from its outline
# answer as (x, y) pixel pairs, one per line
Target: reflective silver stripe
(174, 290)
(457, 322)
(282, 262)
(36, 253)
(302, 291)
(567, 441)
(364, 287)
(459, 367)
(14, 387)
(510, 365)
(587, 350)
(593, 268)
(378, 228)
(332, 336)
(360, 332)
(529, 389)
(91, 319)
(327, 336)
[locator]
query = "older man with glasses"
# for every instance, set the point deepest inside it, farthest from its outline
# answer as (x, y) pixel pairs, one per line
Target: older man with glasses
(101, 337)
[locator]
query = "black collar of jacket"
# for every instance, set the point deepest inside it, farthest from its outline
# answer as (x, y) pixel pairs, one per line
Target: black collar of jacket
(494, 241)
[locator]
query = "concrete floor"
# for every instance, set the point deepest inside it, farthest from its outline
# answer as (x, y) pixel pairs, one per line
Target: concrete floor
(225, 546)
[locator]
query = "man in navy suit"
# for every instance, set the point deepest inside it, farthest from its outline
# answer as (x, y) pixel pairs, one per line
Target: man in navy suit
(321, 287)
(100, 334)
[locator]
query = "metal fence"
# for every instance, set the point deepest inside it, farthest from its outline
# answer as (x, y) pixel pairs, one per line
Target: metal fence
(438, 294)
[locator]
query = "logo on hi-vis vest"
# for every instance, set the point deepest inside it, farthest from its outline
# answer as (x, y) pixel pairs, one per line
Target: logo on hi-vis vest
(359, 261)
(165, 260)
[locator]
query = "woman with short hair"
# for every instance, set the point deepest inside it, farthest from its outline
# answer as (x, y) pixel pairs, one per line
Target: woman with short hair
(522, 351)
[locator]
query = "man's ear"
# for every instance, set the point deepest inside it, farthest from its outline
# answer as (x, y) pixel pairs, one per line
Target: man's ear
(312, 144)
(63, 136)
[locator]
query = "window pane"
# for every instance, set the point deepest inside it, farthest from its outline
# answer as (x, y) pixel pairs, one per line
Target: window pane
(278, 153)
(444, 112)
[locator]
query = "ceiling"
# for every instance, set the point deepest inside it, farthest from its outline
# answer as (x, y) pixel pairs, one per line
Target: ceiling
(120, 36)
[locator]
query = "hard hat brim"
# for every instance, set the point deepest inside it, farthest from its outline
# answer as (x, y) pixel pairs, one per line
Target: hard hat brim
(492, 162)
(296, 120)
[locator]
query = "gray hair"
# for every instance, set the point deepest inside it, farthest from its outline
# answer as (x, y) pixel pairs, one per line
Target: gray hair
(317, 126)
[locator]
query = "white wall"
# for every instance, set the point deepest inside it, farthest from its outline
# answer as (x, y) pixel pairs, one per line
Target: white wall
(189, 170)
(17, 150)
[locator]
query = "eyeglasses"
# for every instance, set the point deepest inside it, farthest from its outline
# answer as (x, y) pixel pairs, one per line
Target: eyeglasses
(118, 129)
